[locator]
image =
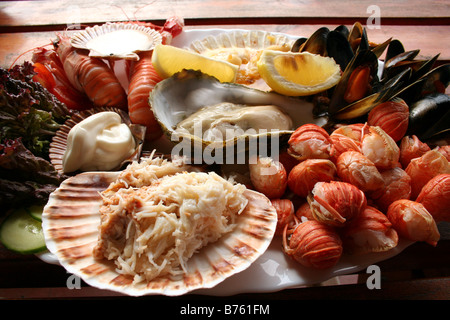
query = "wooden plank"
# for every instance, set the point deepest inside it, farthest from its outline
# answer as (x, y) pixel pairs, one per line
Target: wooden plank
(14, 44)
(420, 289)
(411, 289)
(68, 12)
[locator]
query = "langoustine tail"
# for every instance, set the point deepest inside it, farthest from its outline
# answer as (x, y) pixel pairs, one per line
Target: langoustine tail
(142, 81)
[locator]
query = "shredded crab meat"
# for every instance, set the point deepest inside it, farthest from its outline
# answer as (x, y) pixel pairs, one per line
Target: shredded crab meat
(153, 230)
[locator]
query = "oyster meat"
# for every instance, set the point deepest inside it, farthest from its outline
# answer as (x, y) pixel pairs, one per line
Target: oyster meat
(227, 120)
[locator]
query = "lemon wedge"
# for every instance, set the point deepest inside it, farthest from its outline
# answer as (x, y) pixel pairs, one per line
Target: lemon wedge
(168, 60)
(298, 73)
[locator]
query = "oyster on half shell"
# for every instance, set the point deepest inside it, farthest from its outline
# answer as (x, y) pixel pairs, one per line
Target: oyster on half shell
(185, 93)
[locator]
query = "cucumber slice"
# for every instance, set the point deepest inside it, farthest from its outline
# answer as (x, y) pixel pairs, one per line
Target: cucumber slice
(21, 233)
(36, 211)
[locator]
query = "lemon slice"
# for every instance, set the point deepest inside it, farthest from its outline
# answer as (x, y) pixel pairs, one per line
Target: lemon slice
(168, 60)
(298, 73)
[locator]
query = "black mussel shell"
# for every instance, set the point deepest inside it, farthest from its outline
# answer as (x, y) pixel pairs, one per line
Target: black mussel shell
(343, 29)
(339, 49)
(317, 42)
(429, 116)
(395, 48)
(380, 48)
(420, 85)
(424, 68)
(355, 35)
(399, 63)
(437, 80)
(298, 44)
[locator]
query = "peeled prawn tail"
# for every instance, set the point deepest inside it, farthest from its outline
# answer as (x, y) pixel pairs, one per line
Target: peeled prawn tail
(142, 81)
(91, 76)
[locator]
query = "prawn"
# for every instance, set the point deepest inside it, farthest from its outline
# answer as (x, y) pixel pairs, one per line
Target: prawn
(371, 231)
(91, 76)
(357, 169)
(412, 221)
(310, 141)
(285, 213)
(143, 79)
(50, 73)
(268, 176)
(313, 244)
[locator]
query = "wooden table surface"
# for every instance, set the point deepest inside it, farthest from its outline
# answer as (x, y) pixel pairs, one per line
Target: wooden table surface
(420, 272)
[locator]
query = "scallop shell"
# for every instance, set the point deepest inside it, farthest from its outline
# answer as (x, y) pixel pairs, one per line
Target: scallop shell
(71, 219)
(116, 40)
(59, 141)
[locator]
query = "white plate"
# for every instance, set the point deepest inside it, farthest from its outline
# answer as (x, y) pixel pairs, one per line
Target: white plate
(274, 271)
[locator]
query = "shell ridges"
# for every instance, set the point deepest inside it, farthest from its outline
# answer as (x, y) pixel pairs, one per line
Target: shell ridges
(207, 268)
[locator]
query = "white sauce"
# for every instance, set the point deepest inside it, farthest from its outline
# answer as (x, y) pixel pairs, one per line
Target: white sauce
(99, 142)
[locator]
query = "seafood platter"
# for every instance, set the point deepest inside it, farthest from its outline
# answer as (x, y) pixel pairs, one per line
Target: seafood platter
(317, 156)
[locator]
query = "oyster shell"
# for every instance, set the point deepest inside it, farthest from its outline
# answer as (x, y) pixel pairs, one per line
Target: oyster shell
(71, 219)
(116, 40)
(176, 98)
(59, 141)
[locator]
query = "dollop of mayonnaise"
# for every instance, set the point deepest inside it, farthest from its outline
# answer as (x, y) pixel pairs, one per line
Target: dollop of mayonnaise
(99, 142)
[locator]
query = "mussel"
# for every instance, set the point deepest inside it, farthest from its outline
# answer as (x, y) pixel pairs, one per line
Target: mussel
(360, 88)
(429, 117)
(339, 48)
(316, 43)
(395, 48)
(367, 82)
(356, 36)
(400, 62)
(356, 82)
(341, 44)
(425, 81)
(437, 80)
(343, 29)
